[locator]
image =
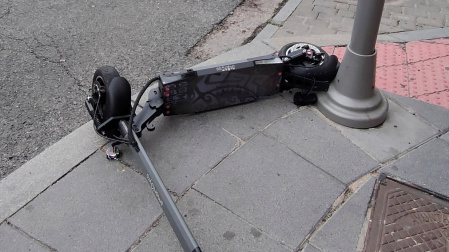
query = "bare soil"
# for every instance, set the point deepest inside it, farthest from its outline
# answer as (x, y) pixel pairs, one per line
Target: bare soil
(239, 28)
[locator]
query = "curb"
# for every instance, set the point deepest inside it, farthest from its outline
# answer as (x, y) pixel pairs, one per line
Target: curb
(285, 12)
(36, 175)
(273, 26)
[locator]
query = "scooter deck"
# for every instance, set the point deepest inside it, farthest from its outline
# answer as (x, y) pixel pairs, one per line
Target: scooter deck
(218, 86)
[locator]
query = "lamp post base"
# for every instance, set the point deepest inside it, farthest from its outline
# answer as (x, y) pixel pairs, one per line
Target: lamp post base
(352, 99)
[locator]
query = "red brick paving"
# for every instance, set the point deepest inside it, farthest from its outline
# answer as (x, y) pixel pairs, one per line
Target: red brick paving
(418, 69)
(429, 76)
(393, 79)
(425, 50)
(328, 49)
(391, 54)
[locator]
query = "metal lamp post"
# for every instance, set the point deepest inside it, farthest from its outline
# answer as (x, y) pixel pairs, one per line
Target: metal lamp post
(352, 99)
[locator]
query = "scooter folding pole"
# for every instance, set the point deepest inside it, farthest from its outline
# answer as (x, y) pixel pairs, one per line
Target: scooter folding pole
(175, 219)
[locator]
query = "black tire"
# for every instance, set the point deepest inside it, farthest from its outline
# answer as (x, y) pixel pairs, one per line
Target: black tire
(306, 72)
(111, 93)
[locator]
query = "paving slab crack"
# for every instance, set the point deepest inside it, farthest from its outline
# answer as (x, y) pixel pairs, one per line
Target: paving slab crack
(237, 146)
(294, 111)
(145, 233)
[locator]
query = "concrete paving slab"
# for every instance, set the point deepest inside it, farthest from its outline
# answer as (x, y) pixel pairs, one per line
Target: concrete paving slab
(400, 132)
(246, 120)
(427, 166)
(337, 229)
(250, 50)
(99, 206)
(183, 148)
(36, 175)
(12, 240)
(435, 115)
(214, 228)
(315, 140)
(272, 188)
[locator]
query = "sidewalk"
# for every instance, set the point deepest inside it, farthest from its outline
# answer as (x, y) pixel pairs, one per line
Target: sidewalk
(266, 176)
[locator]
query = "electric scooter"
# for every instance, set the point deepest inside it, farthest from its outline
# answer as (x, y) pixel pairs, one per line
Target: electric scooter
(302, 66)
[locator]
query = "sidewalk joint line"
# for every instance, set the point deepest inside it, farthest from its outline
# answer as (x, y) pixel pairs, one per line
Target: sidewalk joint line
(402, 154)
(407, 69)
(243, 219)
(425, 60)
(41, 243)
(435, 92)
(53, 183)
(335, 126)
(307, 160)
(339, 202)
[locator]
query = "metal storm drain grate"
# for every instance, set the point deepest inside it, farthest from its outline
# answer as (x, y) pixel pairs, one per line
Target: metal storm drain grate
(407, 219)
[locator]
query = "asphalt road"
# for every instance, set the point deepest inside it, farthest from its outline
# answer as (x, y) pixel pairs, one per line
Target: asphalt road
(49, 51)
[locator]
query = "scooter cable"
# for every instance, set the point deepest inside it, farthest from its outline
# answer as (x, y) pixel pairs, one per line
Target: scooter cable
(133, 111)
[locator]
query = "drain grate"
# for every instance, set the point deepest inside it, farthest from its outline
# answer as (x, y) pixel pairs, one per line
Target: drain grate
(407, 219)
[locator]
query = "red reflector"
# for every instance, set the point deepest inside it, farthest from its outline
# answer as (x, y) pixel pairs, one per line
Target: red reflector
(167, 88)
(167, 106)
(167, 112)
(278, 85)
(167, 94)
(280, 73)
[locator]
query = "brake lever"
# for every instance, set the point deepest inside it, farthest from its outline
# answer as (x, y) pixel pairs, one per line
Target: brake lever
(294, 55)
